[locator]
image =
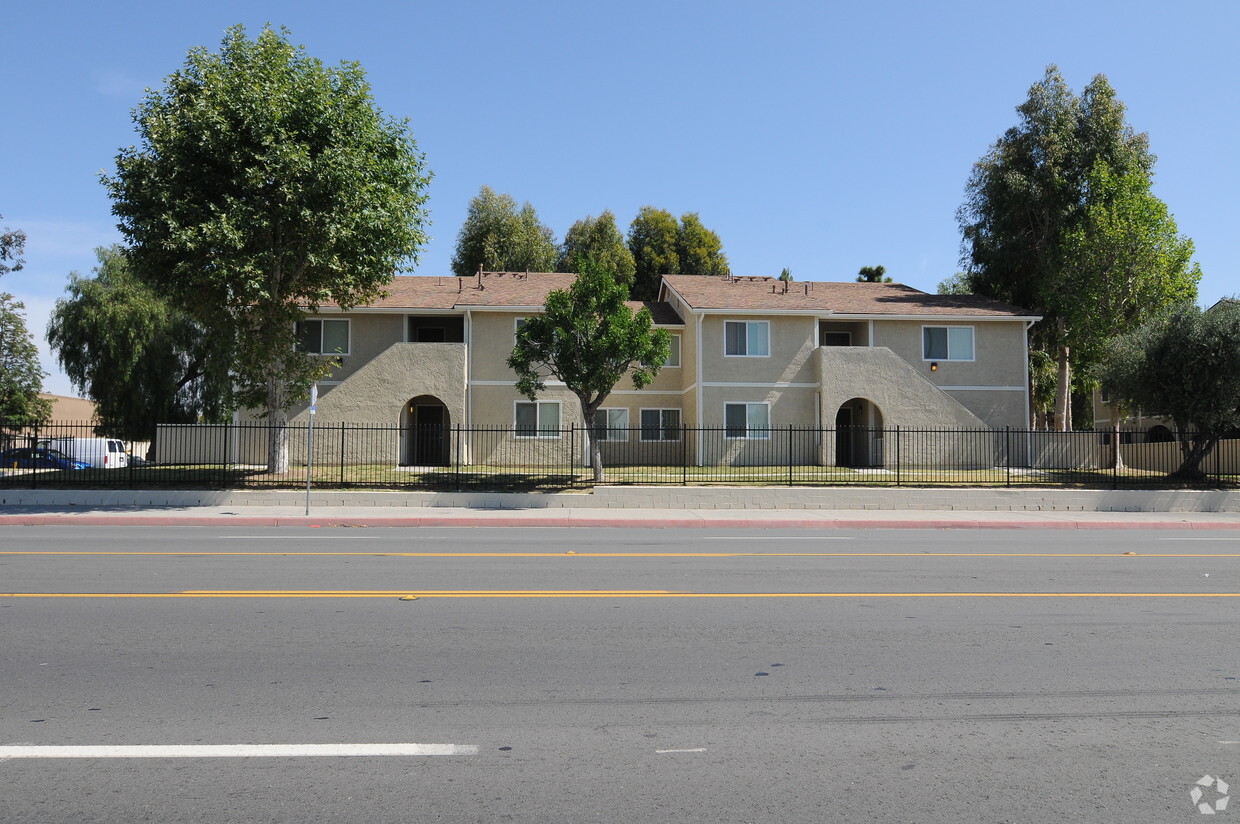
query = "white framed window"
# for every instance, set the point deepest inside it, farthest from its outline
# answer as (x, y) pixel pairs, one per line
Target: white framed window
(673, 355)
(516, 327)
(747, 338)
(536, 419)
(947, 343)
(747, 420)
(615, 423)
(660, 424)
(323, 337)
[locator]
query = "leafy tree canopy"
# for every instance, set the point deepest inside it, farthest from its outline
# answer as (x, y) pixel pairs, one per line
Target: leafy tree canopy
(12, 244)
(589, 338)
(142, 361)
(873, 274)
(497, 236)
(785, 275)
(598, 238)
(662, 246)
(1043, 209)
(1184, 364)
(266, 184)
(21, 376)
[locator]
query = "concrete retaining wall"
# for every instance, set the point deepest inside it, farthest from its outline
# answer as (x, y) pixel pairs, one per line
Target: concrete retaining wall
(636, 497)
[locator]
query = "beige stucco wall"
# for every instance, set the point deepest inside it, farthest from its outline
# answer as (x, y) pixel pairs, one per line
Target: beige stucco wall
(792, 343)
(998, 346)
(370, 334)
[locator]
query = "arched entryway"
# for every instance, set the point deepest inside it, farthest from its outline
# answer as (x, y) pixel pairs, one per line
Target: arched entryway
(425, 426)
(859, 434)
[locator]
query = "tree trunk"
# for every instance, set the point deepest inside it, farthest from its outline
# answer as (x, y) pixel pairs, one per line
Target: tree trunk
(1063, 392)
(1194, 453)
(1117, 459)
(277, 424)
(595, 437)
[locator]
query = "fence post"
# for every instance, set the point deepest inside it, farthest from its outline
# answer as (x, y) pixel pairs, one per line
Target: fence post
(685, 452)
(1007, 451)
(789, 454)
(897, 454)
(341, 458)
(456, 469)
(34, 472)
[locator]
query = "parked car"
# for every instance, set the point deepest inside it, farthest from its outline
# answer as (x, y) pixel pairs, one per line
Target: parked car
(101, 453)
(39, 457)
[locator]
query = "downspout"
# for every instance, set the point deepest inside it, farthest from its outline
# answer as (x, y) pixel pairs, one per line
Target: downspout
(465, 449)
(700, 378)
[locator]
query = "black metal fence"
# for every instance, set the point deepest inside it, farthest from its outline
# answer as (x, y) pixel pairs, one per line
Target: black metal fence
(344, 455)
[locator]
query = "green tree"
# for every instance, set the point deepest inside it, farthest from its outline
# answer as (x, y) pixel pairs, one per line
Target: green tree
(598, 238)
(266, 185)
(12, 244)
(21, 376)
(142, 361)
(873, 274)
(1184, 364)
(785, 275)
(700, 250)
(957, 284)
(1027, 200)
(662, 246)
(589, 338)
(652, 240)
(499, 237)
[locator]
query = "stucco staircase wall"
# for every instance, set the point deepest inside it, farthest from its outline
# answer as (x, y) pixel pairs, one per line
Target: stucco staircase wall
(377, 392)
(905, 397)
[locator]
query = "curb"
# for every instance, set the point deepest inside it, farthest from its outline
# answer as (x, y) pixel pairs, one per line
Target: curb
(593, 522)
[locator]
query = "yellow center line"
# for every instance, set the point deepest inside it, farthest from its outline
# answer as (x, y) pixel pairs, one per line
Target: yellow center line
(575, 554)
(598, 594)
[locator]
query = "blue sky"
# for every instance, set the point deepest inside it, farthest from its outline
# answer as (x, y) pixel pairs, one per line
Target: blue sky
(820, 136)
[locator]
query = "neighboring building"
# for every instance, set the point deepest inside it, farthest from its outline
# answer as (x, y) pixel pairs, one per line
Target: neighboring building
(751, 356)
(66, 409)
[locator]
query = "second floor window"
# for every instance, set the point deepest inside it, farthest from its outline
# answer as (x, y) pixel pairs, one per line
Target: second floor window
(747, 338)
(323, 337)
(947, 343)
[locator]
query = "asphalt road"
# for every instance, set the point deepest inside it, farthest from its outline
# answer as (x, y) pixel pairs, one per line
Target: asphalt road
(616, 675)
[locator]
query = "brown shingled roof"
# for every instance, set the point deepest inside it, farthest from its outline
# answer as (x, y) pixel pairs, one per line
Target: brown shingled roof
(496, 289)
(766, 293)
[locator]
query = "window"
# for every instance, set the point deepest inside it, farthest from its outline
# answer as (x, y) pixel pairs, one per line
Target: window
(747, 420)
(616, 423)
(660, 425)
(747, 338)
(947, 343)
(539, 419)
(323, 337)
(673, 355)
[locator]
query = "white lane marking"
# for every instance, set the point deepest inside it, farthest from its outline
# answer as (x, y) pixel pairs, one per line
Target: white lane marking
(235, 750)
(765, 538)
(1203, 538)
(1229, 742)
(699, 749)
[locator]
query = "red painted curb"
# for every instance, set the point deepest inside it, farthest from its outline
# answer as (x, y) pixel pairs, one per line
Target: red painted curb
(567, 520)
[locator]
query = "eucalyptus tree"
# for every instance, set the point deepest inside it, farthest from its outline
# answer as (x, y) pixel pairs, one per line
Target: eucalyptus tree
(499, 236)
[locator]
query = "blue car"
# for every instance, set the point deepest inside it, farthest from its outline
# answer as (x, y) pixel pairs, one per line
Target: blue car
(38, 458)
